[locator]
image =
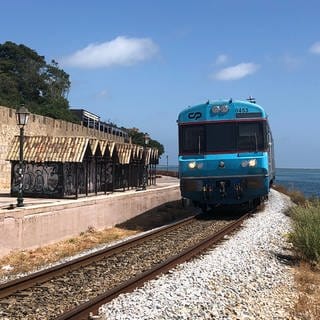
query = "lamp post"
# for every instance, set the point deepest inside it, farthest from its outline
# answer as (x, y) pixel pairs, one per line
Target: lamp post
(145, 166)
(22, 116)
(167, 157)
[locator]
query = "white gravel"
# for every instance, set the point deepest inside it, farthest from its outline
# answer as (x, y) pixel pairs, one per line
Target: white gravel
(240, 279)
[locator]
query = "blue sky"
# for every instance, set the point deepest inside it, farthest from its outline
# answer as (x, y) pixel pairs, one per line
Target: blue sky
(139, 63)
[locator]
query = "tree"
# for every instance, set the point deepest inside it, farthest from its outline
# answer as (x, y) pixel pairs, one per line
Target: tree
(137, 137)
(26, 78)
(158, 145)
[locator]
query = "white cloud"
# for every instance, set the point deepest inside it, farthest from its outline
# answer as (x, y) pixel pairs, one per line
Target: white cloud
(121, 51)
(102, 94)
(291, 62)
(221, 59)
(237, 72)
(315, 48)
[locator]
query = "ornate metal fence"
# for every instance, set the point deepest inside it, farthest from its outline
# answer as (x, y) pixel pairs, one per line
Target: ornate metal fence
(61, 167)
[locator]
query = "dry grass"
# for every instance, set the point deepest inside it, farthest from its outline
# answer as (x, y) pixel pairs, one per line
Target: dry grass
(308, 281)
(296, 196)
(307, 274)
(28, 260)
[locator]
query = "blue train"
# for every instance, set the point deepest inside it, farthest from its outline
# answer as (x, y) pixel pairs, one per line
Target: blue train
(226, 154)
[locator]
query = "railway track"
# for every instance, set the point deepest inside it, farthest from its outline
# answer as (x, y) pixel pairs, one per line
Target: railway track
(45, 275)
(83, 285)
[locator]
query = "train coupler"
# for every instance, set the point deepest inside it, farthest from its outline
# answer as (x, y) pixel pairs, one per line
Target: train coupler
(222, 189)
(206, 191)
(238, 190)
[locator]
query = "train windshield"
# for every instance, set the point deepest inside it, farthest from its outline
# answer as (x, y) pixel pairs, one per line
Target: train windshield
(250, 136)
(192, 139)
(222, 137)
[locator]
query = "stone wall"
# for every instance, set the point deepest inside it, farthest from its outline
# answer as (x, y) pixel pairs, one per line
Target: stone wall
(38, 225)
(37, 125)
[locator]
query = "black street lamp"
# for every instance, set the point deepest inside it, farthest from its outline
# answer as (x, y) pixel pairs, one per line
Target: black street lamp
(145, 167)
(22, 116)
(167, 157)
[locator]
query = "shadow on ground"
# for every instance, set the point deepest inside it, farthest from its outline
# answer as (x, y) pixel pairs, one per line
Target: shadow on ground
(159, 216)
(174, 211)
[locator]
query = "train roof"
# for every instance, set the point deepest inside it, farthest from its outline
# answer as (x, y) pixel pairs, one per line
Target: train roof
(224, 109)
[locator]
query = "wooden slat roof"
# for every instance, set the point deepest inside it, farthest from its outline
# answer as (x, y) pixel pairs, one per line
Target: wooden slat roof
(72, 149)
(93, 143)
(137, 152)
(44, 148)
(111, 145)
(103, 146)
(124, 151)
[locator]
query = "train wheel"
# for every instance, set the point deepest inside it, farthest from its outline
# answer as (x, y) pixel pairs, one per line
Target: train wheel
(257, 202)
(186, 202)
(204, 207)
(252, 204)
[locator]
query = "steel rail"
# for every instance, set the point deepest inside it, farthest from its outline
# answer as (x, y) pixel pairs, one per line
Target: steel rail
(42, 276)
(84, 311)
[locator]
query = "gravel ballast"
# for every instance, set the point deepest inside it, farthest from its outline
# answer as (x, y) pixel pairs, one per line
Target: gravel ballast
(242, 278)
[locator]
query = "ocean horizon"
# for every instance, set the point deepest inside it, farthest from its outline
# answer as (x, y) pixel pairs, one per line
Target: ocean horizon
(306, 181)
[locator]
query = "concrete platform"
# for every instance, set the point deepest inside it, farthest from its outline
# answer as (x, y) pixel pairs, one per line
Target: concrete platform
(43, 221)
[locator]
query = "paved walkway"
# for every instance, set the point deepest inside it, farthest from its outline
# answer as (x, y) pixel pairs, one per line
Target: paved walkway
(7, 202)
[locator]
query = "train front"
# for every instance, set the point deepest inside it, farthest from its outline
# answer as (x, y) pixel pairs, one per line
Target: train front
(225, 153)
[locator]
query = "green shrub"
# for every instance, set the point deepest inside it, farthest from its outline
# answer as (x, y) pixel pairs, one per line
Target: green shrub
(306, 229)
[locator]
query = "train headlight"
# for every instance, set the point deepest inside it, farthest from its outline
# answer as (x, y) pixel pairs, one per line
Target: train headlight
(244, 163)
(252, 163)
(199, 165)
(220, 109)
(224, 109)
(192, 165)
(215, 109)
(249, 163)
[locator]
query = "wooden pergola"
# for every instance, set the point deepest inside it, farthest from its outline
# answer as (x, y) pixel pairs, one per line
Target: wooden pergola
(61, 167)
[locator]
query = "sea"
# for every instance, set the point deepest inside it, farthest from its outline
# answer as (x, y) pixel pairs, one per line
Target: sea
(306, 181)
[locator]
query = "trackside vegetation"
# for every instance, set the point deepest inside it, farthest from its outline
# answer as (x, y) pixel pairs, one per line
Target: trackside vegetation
(305, 235)
(306, 229)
